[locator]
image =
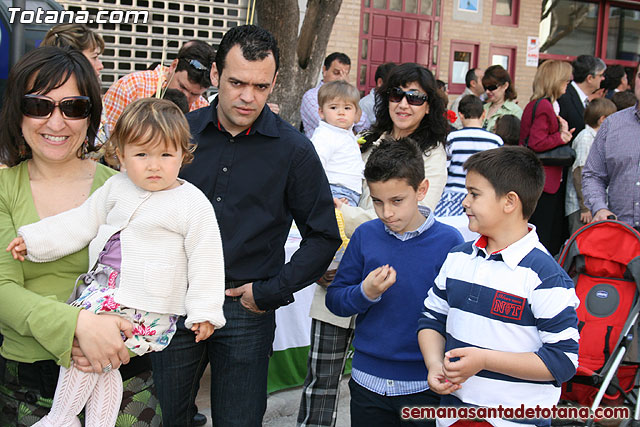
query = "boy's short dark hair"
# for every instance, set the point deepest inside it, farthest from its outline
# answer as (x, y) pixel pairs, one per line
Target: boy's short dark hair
(470, 107)
(597, 108)
(511, 168)
(399, 159)
(624, 99)
(178, 98)
(508, 128)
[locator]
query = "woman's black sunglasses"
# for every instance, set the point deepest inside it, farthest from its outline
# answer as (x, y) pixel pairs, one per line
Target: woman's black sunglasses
(492, 88)
(41, 107)
(413, 98)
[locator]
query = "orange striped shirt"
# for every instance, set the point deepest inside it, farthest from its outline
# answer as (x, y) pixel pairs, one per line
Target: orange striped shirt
(141, 84)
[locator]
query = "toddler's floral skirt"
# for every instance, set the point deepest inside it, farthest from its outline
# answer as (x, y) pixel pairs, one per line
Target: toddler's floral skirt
(151, 331)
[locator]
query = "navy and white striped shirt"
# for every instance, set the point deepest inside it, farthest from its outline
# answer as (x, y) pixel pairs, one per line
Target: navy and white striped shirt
(516, 300)
(462, 144)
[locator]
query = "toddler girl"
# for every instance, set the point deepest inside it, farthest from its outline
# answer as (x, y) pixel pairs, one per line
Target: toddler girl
(154, 247)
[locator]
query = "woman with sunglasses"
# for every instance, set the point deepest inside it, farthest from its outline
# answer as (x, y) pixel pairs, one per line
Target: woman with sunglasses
(543, 129)
(50, 117)
(82, 38)
(500, 96)
(407, 105)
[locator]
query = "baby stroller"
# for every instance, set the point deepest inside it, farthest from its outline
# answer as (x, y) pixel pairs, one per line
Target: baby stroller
(603, 258)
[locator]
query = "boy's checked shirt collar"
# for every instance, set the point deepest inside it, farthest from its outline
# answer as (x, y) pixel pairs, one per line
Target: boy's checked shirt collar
(512, 254)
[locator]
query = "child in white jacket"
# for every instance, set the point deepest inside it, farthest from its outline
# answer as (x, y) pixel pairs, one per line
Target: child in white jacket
(154, 249)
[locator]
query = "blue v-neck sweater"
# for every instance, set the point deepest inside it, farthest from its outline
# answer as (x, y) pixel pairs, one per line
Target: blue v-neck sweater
(386, 342)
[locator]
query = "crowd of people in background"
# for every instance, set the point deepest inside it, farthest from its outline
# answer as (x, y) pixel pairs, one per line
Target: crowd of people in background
(186, 243)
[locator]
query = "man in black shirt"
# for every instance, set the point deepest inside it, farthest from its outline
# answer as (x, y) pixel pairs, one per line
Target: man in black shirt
(260, 174)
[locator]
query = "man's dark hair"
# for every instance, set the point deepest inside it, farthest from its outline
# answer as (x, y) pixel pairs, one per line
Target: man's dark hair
(586, 65)
(511, 168)
(201, 52)
(624, 99)
(339, 56)
(470, 107)
(383, 70)
(612, 77)
(255, 42)
(396, 159)
(471, 76)
(178, 98)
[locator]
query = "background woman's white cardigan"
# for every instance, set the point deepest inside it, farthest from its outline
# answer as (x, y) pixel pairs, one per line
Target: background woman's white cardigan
(172, 260)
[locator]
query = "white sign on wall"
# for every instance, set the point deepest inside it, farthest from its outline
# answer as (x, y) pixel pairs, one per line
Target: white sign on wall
(533, 51)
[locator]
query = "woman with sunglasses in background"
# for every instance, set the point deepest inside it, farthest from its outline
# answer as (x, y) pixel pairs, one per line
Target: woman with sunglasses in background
(500, 96)
(82, 38)
(407, 105)
(542, 129)
(49, 119)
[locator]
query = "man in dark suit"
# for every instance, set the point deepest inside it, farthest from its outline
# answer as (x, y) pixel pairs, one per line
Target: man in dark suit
(588, 72)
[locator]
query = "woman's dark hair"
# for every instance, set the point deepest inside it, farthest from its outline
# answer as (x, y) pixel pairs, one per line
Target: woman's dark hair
(496, 75)
(40, 71)
(433, 128)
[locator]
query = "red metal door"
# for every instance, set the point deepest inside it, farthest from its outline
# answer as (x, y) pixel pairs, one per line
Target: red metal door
(397, 31)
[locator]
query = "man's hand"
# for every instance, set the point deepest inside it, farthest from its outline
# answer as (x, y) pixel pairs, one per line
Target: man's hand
(603, 214)
(471, 360)
(17, 248)
(439, 383)
(378, 281)
(245, 292)
(203, 330)
(586, 217)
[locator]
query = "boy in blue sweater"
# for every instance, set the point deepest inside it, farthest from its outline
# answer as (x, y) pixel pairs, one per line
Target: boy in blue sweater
(384, 276)
(500, 327)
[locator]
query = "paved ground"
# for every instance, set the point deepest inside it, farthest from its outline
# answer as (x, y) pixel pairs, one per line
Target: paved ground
(282, 406)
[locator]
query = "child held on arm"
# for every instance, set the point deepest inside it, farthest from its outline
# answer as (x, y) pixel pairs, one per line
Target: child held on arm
(595, 113)
(335, 141)
(384, 275)
(155, 249)
(499, 325)
(462, 144)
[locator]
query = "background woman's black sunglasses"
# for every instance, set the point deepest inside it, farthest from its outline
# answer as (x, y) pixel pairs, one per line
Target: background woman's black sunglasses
(41, 107)
(413, 98)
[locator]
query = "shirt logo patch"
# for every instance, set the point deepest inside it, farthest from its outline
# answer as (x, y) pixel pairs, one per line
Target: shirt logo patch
(507, 305)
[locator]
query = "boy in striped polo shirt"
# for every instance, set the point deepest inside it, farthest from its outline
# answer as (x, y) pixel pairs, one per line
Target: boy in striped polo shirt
(461, 145)
(499, 325)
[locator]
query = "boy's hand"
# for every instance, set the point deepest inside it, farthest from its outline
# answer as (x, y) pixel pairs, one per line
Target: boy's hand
(439, 383)
(337, 203)
(203, 330)
(586, 217)
(17, 248)
(470, 361)
(378, 281)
